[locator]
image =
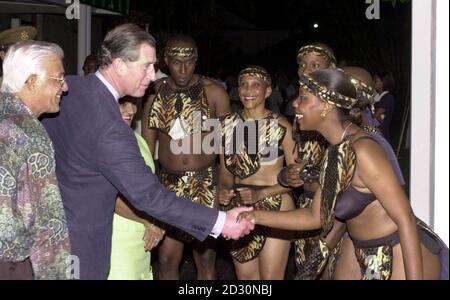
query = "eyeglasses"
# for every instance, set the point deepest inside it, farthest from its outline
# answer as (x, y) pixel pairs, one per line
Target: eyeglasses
(61, 79)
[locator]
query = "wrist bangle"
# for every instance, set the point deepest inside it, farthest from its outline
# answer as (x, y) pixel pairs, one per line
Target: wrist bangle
(281, 178)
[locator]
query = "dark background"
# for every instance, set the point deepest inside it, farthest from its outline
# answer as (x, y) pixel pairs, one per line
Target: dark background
(373, 44)
(232, 34)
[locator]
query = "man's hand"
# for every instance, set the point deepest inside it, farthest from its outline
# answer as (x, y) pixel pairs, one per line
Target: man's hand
(225, 196)
(293, 175)
(234, 230)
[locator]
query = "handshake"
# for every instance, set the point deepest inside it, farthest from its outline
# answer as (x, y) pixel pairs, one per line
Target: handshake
(241, 220)
(238, 223)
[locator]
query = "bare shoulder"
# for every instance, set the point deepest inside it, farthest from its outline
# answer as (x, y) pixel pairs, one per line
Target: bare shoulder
(366, 148)
(217, 96)
(213, 87)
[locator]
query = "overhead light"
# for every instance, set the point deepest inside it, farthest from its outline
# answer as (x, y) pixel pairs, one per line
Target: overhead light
(316, 25)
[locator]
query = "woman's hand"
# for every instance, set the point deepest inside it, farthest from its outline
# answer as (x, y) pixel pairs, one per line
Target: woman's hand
(293, 174)
(225, 196)
(249, 215)
(152, 236)
(249, 196)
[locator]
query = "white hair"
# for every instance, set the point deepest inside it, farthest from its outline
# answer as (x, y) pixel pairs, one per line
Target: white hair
(24, 59)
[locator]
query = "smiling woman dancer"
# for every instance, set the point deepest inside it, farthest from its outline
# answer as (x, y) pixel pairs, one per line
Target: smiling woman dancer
(315, 256)
(262, 143)
(359, 185)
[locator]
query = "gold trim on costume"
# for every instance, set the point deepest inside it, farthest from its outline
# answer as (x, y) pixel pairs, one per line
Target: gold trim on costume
(364, 93)
(241, 159)
(199, 186)
(325, 94)
(250, 246)
(375, 262)
(336, 175)
(258, 72)
(319, 51)
(189, 105)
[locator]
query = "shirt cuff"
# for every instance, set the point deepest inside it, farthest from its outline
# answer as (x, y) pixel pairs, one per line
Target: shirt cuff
(220, 222)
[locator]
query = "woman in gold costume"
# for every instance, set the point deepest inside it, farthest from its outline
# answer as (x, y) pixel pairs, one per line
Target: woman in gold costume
(256, 144)
(359, 185)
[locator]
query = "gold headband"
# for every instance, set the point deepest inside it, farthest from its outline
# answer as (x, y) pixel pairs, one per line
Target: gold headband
(319, 51)
(325, 94)
(364, 93)
(179, 51)
(256, 71)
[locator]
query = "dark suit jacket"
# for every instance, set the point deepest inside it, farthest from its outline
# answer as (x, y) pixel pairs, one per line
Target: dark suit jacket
(97, 156)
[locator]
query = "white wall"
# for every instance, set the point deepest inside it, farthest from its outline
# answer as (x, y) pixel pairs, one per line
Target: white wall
(429, 114)
(421, 192)
(441, 153)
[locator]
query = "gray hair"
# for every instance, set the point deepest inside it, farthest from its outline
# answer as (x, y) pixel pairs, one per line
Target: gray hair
(24, 59)
(123, 42)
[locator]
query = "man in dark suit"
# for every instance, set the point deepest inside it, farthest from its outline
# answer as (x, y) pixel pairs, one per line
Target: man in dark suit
(97, 156)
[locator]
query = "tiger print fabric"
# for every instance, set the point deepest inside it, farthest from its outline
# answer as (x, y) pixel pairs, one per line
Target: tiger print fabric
(249, 247)
(311, 147)
(312, 256)
(333, 256)
(376, 257)
(198, 186)
(309, 258)
(337, 172)
(375, 262)
(243, 159)
(311, 253)
(170, 104)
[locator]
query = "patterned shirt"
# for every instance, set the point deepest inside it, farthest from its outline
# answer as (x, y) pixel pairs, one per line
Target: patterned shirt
(32, 218)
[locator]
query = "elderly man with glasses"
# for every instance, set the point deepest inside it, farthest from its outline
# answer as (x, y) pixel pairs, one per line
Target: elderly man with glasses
(34, 240)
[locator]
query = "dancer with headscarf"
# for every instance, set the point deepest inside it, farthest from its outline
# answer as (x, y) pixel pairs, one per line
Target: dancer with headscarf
(256, 144)
(358, 184)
